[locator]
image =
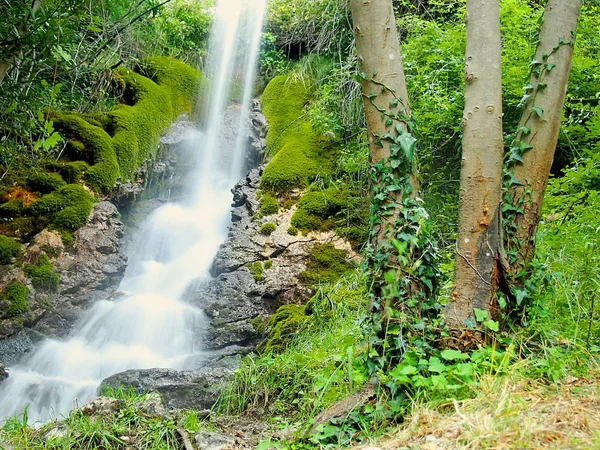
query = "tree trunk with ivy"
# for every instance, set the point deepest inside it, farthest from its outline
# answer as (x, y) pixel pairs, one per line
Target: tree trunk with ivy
(477, 265)
(531, 156)
(401, 255)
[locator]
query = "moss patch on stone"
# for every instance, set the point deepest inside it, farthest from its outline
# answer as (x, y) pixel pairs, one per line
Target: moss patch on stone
(42, 274)
(66, 209)
(282, 325)
(267, 228)
(268, 204)
(317, 209)
(45, 182)
(9, 248)
(117, 143)
(325, 264)
(299, 154)
(16, 294)
(256, 270)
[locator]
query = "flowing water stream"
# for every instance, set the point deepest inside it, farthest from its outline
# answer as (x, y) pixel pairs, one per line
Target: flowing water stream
(151, 326)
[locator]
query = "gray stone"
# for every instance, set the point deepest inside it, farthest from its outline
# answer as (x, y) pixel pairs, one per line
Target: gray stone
(214, 441)
(194, 389)
(3, 372)
(102, 406)
(153, 406)
(57, 431)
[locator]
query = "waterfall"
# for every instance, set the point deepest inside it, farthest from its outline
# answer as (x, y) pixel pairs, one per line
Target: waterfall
(151, 325)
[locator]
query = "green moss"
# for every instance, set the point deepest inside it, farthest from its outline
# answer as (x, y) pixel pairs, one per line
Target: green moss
(267, 228)
(71, 172)
(325, 264)
(268, 204)
(292, 231)
(299, 153)
(16, 294)
(283, 102)
(66, 209)
(317, 209)
(45, 182)
(9, 248)
(42, 274)
(286, 322)
(268, 264)
(11, 209)
(256, 270)
(118, 142)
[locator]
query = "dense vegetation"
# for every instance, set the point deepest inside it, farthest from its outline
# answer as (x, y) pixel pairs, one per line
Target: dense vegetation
(317, 159)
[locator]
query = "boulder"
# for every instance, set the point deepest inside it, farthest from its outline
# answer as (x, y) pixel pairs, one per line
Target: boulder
(193, 389)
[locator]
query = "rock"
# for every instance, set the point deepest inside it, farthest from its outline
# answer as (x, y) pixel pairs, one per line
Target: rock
(214, 441)
(57, 431)
(3, 372)
(14, 347)
(195, 389)
(153, 406)
(102, 406)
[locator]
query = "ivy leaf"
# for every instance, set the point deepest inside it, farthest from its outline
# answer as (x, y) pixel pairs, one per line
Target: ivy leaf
(452, 355)
(394, 103)
(520, 295)
(524, 130)
(470, 323)
(480, 314)
(370, 96)
(549, 66)
(524, 146)
(388, 122)
(539, 111)
(407, 142)
(515, 155)
(492, 325)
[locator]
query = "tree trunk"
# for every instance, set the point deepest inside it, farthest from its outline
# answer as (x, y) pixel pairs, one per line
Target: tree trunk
(478, 243)
(383, 86)
(531, 156)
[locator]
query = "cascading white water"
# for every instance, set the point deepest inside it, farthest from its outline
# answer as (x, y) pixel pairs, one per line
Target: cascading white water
(151, 326)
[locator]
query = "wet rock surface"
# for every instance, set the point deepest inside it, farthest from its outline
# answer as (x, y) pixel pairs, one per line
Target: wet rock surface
(191, 389)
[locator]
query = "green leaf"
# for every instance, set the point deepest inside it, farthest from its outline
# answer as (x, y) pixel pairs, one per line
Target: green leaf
(407, 142)
(394, 103)
(370, 96)
(452, 355)
(549, 66)
(388, 122)
(492, 325)
(480, 314)
(537, 110)
(524, 130)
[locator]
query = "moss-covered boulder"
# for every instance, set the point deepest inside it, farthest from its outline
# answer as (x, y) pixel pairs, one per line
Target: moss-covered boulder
(42, 275)
(282, 325)
(66, 209)
(299, 154)
(118, 142)
(326, 264)
(317, 209)
(9, 248)
(16, 295)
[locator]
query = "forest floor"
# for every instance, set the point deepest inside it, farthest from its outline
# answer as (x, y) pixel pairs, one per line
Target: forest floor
(507, 413)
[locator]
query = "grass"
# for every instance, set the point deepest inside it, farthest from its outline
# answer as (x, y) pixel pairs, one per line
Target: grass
(508, 412)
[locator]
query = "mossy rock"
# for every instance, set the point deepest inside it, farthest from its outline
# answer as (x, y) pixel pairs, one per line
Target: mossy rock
(325, 264)
(267, 228)
(16, 294)
(316, 209)
(256, 270)
(71, 172)
(268, 204)
(118, 142)
(9, 248)
(12, 209)
(283, 104)
(65, 209)
(299, 154)
(45, 182)
(43, 275)
(286, 322)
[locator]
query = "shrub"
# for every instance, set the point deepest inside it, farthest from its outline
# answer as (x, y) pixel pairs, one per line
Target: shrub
(256, 270)
(292, 231)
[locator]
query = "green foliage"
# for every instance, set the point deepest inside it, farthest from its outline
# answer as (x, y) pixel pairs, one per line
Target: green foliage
(268, 204)
(325, 264)
(128, 426)
(267, 228)
(9, 248)
(42, 275)
(65, 209)
(317, 365)
(292, 231)
(16, 294)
